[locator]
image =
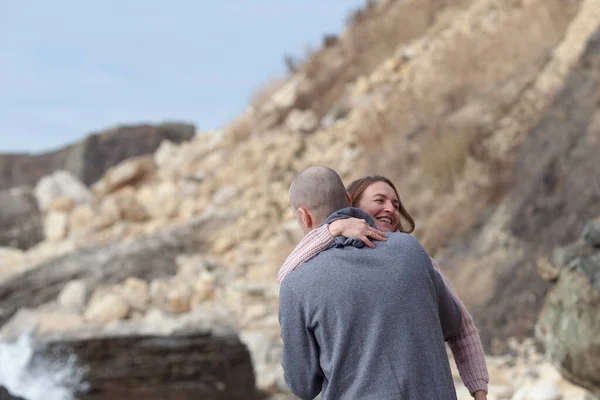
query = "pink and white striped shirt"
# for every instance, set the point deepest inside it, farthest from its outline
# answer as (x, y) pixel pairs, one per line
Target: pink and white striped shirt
(466, 347)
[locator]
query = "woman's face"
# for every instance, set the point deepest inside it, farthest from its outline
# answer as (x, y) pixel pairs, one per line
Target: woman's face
(380, 200)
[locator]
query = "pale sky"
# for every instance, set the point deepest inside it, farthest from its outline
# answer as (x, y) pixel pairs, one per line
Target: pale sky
(69, 68)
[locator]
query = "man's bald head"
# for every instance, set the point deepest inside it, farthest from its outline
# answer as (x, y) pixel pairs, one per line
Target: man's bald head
(320, 191)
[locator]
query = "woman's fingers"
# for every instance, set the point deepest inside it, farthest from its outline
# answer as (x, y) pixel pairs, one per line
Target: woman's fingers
(376, 234)
(381, 236)
(357, 228)
(367, 241)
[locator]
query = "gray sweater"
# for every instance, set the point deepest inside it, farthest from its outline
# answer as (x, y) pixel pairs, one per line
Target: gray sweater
(361, 323)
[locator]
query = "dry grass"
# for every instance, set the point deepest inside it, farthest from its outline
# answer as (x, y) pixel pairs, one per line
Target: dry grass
(444, 154)
(373, 34)
(264, 94)
(472, 69)
(240, 129)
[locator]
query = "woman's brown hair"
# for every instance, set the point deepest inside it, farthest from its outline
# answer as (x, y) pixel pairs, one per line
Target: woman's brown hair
(357, 188)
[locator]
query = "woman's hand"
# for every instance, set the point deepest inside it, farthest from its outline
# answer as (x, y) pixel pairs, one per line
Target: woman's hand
(480, 395)
(356, 228)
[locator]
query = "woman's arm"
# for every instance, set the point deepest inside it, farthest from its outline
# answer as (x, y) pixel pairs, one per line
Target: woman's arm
(467, 348)
(321, 238)
(312, 244)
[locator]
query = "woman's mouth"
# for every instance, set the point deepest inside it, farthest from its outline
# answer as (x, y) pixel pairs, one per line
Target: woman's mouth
(386, 220)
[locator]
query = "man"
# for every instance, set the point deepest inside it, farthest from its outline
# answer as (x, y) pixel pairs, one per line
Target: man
(360, 323)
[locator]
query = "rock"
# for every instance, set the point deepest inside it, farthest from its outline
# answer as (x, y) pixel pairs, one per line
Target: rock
(276, 108)
(179, 303)
(60, 184)
(55, 225)
(43, 320)
(500, 392)
(204, 289)
(568, 323)
(540, 392)
(73, 296)
(20, 220)
(166, 153)
(128, 172)
(50, 322)
(263, 272)
(546, 270)
(179, 296)
(82, 218)
(23, 322)
(158, 290)
(461, 391)
(135, 291)
(6, 395)
(121, 206)
(255, 312)
(39, 254)
(338, 111)
(162, 200)
(193, 266)
(269, 377)
(146, 258)
(563, 255)
(10, 256)
(62, 204)
(591, 233)
(222, 245)
(305, 121)
(194, 356)
(225, 194)
(259, 343)
(106, 308)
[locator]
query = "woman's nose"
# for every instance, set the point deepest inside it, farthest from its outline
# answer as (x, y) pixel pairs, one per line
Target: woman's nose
(388, 206)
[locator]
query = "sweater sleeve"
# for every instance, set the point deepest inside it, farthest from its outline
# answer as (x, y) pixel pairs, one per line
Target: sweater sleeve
(467, 348)
(312, 244)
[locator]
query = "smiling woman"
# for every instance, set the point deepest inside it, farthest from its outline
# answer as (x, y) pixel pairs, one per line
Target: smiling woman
(378, 196)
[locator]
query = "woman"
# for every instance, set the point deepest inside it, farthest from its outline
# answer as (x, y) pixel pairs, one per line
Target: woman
(378, 196)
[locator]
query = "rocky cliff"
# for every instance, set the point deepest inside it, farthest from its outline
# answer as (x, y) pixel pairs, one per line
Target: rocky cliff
(553, 191)
(483, 112)
(89, 158)
(158, 357)
(21, 225)
(568, 324)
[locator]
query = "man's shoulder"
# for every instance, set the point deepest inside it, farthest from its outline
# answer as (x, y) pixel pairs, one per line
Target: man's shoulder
(314, 273)
(305, 273)
(404, 244)
(403, 238)
(302, 282)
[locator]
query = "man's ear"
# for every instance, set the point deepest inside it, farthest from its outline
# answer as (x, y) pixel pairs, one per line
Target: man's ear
(305, 218)
(349, 199)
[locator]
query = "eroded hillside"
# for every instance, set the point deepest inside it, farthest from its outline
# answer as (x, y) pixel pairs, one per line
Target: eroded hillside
(484, 113)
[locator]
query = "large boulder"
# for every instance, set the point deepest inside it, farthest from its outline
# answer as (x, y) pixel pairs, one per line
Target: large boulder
(60, 185)
(20, 220)
(129, 172)
(5, 395)
(192, 356)
(569, 323)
